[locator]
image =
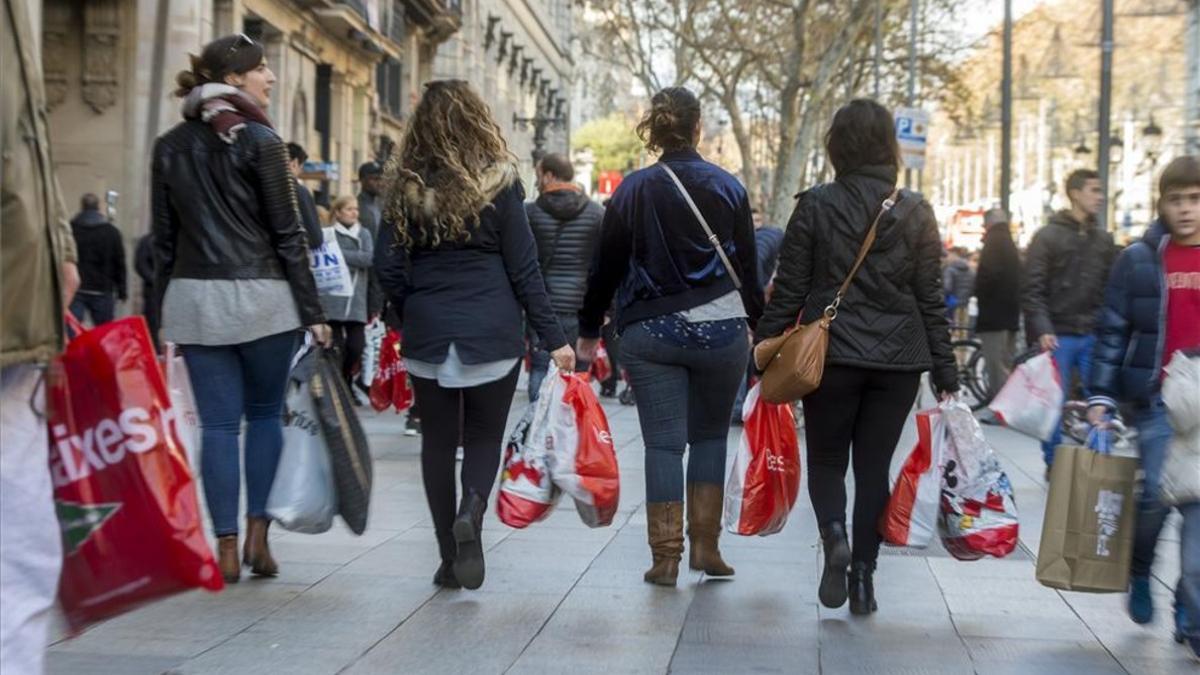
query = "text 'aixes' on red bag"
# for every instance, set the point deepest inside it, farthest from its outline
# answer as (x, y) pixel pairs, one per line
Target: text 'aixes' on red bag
(390, 386)
(125, 497)
(765, 480)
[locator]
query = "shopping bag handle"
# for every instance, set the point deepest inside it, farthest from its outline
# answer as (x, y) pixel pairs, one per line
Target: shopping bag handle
(1100, 439)
(73, 324)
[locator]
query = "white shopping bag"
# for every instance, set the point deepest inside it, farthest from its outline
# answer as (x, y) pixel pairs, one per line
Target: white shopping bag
(1031, 401)
(1180, 482)
(303, 497)
(183, 404)
(911, 517)
(329, 268)
(374, 333)
(527, 491)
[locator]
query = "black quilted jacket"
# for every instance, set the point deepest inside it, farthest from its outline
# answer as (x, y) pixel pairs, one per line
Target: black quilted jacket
(228, 211)
(893, 317)
(566, 226)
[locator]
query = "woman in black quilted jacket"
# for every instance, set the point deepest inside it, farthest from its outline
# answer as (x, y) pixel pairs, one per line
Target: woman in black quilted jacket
(890, 326)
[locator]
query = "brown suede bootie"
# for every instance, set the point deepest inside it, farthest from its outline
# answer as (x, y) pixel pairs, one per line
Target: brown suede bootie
(256, 554)
(705, 503)
(664, 529)
(227, 558)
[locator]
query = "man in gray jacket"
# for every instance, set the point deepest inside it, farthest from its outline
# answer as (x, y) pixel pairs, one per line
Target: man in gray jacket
(566, 226)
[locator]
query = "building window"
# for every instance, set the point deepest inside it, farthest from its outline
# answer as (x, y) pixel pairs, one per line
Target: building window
(389, 80)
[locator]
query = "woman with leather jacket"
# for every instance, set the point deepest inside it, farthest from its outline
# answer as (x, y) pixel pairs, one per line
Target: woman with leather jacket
(458, 261)
(232, 269)
(889, 327)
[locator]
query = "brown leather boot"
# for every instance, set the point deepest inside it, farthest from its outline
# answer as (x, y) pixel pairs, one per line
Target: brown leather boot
(705, 502)
(227, 558)
(664, 529)
(257, 554)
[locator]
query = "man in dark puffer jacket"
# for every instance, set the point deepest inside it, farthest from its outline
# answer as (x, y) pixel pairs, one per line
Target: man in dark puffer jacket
(1152, 310)
(1065, 270)
(566, 226)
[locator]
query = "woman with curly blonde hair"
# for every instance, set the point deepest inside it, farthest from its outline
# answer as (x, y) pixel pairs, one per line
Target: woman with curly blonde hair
(457, 258)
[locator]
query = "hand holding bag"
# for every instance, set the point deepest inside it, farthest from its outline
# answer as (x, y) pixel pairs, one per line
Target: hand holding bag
(793, 363)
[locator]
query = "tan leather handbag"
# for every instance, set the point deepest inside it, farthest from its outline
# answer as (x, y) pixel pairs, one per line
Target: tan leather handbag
(793, 363)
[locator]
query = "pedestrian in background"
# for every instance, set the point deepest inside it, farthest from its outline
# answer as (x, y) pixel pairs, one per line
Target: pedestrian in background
(457, 259)
(891, 326)
(38, 278)
(566, 227)
(768, 242)
(1066, 267)
(998, 289)
(347, 315)
(1151, 311)
(309, 219)
(682, 309)
(101, 263)
(958, 285)
(143, 266)
(233, 269)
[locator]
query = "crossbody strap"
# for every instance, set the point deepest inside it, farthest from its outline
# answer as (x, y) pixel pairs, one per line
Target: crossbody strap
(737, 281)
(868, 241)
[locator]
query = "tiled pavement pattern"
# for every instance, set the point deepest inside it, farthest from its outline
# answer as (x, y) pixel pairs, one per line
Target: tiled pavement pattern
(560, 598)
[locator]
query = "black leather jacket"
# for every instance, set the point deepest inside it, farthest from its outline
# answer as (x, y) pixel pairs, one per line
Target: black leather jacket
(566, 226)
(893, 316)
(229, 211)
(1066, 267)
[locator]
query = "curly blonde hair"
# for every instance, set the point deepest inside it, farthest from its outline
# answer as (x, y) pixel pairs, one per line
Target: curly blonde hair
(450, 164)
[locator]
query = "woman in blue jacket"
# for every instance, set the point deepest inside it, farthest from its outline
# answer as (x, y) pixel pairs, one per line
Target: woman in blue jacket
(683, 305)
(457, 258)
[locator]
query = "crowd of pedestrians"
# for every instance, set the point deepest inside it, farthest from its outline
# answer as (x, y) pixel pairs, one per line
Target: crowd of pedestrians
(441, 243)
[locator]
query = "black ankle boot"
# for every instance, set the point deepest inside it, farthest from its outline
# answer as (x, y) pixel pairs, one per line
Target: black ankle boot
(444, 576)
(861, 588)
(837, 556)
(468, 562)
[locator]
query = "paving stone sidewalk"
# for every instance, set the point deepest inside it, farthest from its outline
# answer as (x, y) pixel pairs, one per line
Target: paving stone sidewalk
(562, 598)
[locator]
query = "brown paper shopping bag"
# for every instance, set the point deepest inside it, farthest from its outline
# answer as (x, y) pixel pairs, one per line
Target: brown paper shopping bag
(1087, 536)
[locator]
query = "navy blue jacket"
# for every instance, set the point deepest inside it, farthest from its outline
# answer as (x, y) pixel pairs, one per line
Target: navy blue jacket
(470, 293)
(1130, 331)
(654, 254)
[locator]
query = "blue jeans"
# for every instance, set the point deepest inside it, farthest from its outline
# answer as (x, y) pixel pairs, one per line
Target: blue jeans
(684, 396)
(1074, 354)
(231, 382)
(100, 306)
(1154, 435)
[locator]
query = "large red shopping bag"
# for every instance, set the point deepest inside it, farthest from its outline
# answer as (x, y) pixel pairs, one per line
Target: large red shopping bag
(1031, 400)
(765, 480)
(582, 460)
(601, 368)
(911, 517)
(125, 497)
(390, 386)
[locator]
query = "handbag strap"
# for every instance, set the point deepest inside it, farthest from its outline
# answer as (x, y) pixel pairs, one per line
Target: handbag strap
(831, 311)
(716, 242)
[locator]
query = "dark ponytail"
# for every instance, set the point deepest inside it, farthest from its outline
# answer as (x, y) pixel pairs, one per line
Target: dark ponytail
(232, 54)
(671, 122)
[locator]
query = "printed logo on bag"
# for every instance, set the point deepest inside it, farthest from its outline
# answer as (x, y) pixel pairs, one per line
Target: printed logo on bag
(79, 521)
(101, 446)
(1108, 519)
(603, 436)
(300, 420)
(775, 462)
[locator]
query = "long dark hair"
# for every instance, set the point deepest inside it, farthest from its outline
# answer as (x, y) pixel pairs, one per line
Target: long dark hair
(862, 133)
(670, 124)
(232, 54)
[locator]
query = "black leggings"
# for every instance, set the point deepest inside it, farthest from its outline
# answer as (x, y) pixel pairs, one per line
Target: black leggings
(350, 339)
(473, 418)
(867, 408)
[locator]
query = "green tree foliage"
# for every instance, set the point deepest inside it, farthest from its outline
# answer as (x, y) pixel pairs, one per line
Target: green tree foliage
(613, 142)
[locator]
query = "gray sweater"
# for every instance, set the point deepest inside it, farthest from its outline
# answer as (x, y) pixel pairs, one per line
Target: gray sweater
(359, 253)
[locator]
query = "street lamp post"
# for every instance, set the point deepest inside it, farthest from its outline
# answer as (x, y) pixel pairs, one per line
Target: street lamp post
(1152, 140)
(1106, 62)
(1006, 112)
(539, 122)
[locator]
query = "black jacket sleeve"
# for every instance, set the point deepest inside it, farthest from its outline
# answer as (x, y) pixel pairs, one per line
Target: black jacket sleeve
(164, 224)
(308, 216)
(519, 251)
(610, 264)
(927, 288)
(747, 257)
(278, 193)
(793, 278)
(1037, 268)
(392, 268)
(119, 272)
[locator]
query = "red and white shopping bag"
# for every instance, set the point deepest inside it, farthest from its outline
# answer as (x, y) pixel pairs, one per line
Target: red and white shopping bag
(911, 517)
(601, 368)
(527, 492)
(125, 498)
(765, 480)
(583, 461)
(1031, 400)
(390, 387)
